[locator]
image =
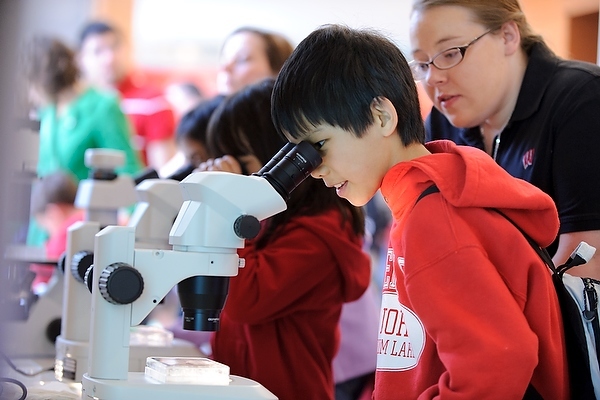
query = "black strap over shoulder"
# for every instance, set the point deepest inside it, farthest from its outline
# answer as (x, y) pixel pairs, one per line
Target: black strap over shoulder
(431, 189)
(542, 252)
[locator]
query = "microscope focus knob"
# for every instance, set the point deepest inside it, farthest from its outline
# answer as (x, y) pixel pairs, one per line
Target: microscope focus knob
(89, 278)
(62, 261)
(80, 263)
(120, 283)
(246, 226)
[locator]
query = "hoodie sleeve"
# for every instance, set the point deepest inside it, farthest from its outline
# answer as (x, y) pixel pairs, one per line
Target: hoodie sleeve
(298, 271)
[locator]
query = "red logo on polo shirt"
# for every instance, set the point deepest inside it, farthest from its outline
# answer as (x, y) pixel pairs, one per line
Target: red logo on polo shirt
(528, 158)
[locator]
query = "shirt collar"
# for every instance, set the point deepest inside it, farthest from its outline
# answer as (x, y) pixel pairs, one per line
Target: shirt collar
(541, 66)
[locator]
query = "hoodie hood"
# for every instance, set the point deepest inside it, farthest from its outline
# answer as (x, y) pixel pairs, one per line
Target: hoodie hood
(346, 247)
(469, 177)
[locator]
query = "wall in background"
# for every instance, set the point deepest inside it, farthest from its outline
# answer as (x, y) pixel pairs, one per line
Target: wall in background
(180, 39)
(558, 22)
(184, 36)
(61, 18)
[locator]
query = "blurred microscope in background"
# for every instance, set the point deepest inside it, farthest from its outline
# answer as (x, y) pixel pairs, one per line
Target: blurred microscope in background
(50, 331)
(28, 318)
(102, 196)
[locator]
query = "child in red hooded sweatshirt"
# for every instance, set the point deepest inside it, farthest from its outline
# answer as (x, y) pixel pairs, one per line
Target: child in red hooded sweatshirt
(280, 323)
(469, 310)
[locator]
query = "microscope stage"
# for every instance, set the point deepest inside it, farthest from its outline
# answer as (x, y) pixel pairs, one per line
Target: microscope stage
(139, 386)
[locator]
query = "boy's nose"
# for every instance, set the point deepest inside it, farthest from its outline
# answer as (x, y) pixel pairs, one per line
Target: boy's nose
(318, 172)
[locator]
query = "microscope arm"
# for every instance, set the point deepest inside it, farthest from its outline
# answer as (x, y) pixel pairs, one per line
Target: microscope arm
(156, 264)
(161, 269)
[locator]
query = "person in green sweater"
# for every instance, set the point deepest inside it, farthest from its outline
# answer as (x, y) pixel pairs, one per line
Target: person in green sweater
(73, 117)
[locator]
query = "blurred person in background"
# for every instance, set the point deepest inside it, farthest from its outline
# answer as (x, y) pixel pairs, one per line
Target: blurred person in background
(53, 207)
(249, 55)
(104, 63)
(191, 131)
(73, 117)
(183, 96)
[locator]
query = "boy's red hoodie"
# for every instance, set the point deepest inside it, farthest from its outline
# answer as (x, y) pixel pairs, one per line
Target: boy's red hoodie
(469, 310)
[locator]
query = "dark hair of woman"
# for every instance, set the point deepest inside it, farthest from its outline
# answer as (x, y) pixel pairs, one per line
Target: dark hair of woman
(242, 126)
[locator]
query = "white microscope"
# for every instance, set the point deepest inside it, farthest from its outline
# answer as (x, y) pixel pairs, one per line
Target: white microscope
(102, 196)
(64, 306)
(30, 331)
(220, 210)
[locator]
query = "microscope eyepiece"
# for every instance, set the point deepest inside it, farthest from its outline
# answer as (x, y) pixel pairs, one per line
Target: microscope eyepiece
(103, 162)
(148, 173)
(291, 169)
(181, 173)
(276, 158)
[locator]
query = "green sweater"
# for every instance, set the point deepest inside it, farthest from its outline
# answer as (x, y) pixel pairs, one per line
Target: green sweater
(93, 120)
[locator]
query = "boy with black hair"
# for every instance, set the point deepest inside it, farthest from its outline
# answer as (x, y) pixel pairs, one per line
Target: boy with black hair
(469, 309)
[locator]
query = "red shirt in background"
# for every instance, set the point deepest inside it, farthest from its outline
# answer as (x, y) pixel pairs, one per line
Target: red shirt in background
(149, 113)
(55, 247)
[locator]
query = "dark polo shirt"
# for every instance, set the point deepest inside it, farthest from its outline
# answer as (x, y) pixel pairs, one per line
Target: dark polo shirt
(552, 139)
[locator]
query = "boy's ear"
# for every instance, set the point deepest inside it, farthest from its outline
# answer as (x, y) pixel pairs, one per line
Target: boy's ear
(384, 115)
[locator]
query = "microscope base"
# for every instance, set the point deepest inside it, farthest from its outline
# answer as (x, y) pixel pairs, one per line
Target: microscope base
(30, 338)
(72, 356)
(138, 386)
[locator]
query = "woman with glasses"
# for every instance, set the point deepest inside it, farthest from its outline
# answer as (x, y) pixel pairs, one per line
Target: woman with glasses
(497, 86)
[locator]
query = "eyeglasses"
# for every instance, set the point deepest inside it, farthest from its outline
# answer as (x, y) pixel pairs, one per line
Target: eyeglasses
(443, 60)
